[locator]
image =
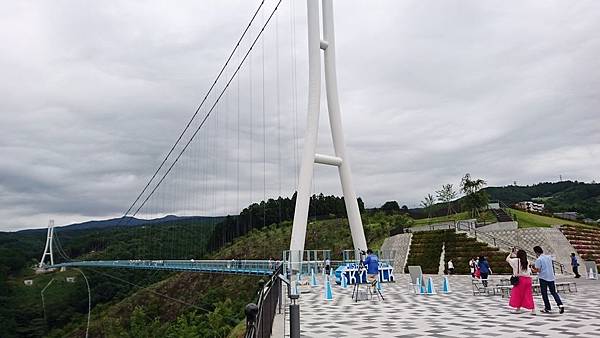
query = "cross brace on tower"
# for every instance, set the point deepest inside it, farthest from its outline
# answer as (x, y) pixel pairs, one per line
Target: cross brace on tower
(309, 155)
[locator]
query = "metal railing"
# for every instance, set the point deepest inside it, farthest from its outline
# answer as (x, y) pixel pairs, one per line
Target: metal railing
(247, 267)
(260, 324)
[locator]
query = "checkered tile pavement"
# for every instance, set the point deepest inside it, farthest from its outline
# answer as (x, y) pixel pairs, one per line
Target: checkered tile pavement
(458, 314)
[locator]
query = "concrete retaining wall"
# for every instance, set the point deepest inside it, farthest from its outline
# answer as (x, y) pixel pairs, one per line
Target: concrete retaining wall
(551, 240)
(401, 244)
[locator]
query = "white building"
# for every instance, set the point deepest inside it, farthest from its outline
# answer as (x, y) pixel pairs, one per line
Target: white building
(70, 279)
(28, 282)
(531, 206)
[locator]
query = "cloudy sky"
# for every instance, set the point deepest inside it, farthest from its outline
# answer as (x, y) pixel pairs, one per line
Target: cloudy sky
(94, 94)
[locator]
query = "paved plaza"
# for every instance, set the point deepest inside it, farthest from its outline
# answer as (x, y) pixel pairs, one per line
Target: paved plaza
(458, 314)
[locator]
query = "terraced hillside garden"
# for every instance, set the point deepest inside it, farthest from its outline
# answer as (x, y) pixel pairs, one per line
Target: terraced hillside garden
(585, 240)
(426, 250)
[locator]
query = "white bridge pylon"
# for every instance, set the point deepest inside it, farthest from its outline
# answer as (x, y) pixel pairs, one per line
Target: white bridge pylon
(48, 247)
(309, 155)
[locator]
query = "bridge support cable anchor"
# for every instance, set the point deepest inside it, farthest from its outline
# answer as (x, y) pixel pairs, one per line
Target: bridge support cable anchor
(309, 156)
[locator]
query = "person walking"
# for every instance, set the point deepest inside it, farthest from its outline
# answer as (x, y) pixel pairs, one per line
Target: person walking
(543, 266)
(521, 295)
(484, 270)
(575, 265)
(450, 267)
(472, 267)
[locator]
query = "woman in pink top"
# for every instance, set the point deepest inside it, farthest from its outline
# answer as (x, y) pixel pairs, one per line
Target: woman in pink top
(521, 295)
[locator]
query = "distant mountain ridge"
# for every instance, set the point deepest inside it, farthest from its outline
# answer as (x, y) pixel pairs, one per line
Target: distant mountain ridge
(581, 197)
(128, 222)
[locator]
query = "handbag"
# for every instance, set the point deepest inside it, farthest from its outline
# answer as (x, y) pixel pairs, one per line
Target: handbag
(514, 280)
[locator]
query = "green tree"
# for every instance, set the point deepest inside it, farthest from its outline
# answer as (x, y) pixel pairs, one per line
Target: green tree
(428, 203)
(475, 198)
(446, 195)
(390, 207)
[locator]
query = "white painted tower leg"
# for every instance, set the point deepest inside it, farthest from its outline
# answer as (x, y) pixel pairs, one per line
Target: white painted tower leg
(309, 156)
(337, 132)
(48, 247)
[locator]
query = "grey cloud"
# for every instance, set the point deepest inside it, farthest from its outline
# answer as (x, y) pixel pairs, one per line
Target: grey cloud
(94, 94)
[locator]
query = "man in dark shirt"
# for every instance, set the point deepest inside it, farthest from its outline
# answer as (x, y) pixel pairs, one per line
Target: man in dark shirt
(372, 264)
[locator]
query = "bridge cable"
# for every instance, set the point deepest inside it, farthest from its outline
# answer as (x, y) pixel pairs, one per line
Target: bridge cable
(264, 130)
(278, 118)
(210, 111)
(197, 110)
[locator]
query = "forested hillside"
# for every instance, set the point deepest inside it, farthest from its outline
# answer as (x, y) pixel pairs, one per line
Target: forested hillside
(206, 304)
(584, 198)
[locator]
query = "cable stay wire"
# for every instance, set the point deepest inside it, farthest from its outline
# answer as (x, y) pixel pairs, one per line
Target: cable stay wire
(235, 48)
(208, 114)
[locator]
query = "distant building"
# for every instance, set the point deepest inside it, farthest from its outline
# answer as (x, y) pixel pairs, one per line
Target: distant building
(530, 206)
(572, 215)
(70, 279)
(28, 282)
(494, 205)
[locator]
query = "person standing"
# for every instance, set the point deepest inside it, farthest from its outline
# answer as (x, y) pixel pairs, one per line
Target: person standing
(484, 270)
(575, 265)
(543, 266)
(450, 267)
(372, 264)
(327, 266)
(472, 267)
(521, 295)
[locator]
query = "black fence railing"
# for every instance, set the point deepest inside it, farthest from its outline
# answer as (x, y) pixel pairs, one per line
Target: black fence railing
(260, 324)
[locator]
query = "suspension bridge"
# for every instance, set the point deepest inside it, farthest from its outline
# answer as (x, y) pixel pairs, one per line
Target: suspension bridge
(241, 144)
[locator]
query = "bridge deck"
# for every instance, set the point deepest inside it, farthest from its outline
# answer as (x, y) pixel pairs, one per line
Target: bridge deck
(238, 267)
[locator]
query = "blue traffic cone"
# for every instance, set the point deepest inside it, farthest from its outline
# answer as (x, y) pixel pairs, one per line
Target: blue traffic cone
(343, 280)
(313, 278)
(446, 285)
(420, 288)
(328, 292)
(430, 287)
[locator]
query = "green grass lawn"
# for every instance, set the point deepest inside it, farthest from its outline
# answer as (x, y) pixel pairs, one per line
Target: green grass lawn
(528, 220)
(455, 217)
(484, 216)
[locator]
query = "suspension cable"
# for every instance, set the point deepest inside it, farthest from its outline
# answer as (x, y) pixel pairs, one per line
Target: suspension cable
(210, 111)
(196, 112)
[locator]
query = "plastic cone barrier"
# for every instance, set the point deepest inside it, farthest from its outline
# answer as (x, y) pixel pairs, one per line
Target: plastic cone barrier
(591, 274)
(328, 292)
(430, 287)
(446, 285)
(313, 278)
(420, 288)
(343, 281)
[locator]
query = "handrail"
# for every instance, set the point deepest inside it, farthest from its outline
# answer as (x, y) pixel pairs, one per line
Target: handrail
(269, 297)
